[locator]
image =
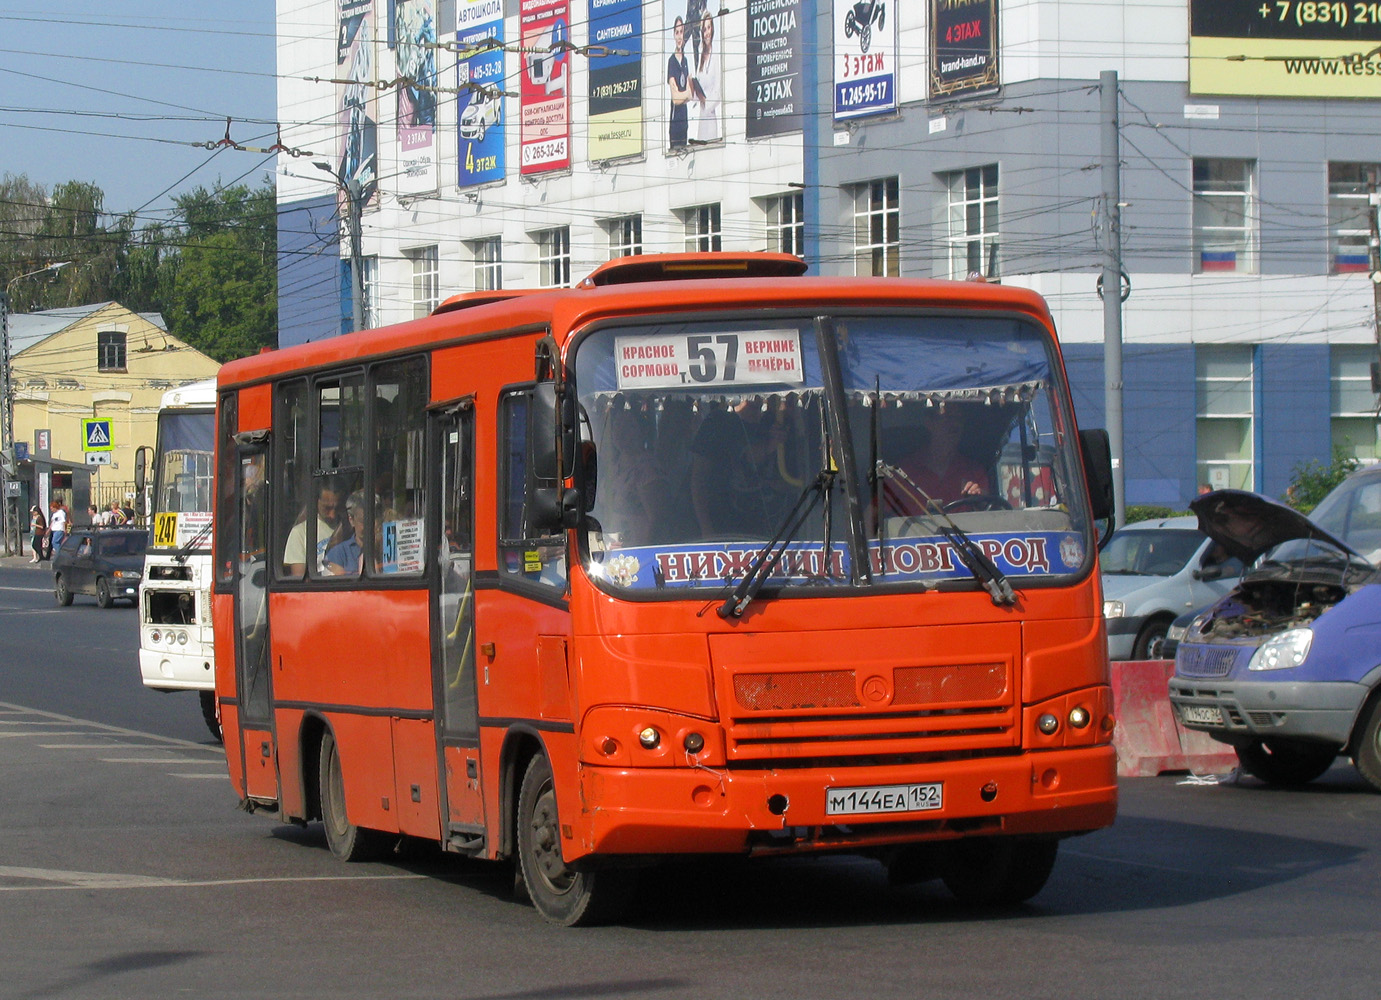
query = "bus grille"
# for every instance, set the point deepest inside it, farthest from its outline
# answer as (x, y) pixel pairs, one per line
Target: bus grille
(1205, 661)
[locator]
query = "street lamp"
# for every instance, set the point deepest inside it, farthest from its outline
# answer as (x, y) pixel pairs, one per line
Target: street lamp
(7, 450)
(354, 196)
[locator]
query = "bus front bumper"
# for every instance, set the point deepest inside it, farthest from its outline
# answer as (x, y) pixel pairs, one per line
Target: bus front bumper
(631, 811)
(166, 670)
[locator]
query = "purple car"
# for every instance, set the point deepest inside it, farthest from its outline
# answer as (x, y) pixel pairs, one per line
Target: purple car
(1287, 667)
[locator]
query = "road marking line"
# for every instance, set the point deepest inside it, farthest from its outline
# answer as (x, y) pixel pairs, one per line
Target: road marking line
(110, 880)
(55, 732)
(151, 760)
(118, 730)
(220, 755)
(1127, 861)
(218, 776)
(29, 590)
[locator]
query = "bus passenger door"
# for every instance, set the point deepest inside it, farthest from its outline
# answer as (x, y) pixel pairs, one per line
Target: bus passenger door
(252, 670)
(453, 629)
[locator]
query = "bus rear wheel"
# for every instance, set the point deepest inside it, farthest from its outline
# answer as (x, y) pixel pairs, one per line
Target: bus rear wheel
(346, 840)
(561, 895)
(998, 871)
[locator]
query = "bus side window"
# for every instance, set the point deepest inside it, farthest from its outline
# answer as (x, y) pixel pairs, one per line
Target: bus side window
(293, 480)
(400, 393)
(522, 554)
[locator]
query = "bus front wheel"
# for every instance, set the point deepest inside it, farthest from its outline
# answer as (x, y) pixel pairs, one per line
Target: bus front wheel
(998, 871)
(561, 895)
(346, 840)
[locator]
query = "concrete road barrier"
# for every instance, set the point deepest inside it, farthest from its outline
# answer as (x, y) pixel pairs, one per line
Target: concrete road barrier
(1149, 739)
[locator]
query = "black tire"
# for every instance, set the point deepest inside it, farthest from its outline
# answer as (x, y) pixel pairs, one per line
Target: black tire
(211, 713)
(103, 596)
(1367, 753)
(61, 591)
(560, 894)
(865, 37)
(346, 840)
(1285, 763)
(1150, 638)
(850, 25)
(998, 871)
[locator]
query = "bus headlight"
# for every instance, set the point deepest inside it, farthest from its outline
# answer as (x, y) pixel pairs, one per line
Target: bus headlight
(1280, 652)
(1114, 609)
(182, 638)
(155, 636)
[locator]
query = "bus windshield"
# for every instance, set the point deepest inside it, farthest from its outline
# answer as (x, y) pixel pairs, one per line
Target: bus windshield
(184, 472)
(860, 442)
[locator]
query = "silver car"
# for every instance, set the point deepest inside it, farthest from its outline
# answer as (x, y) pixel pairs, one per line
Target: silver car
(1153, 572)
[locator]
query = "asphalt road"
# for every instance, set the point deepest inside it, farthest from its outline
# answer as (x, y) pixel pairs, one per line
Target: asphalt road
(126, 871)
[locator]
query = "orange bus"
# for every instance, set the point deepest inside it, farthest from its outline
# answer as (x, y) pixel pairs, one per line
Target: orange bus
(701, 556)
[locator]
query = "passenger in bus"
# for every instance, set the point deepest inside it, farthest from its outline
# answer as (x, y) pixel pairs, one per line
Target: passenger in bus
(295, 549)
(737, 486)
(939, 465)
(346, 557)
(631, 491)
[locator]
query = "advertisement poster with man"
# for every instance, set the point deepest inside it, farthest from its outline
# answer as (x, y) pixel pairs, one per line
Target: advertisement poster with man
(695, 74)
(414, 39)
(963, 48)
(774, 67)
(616, 79)
(357, 116)
(480, 81)
(865, 58)
(544, 138)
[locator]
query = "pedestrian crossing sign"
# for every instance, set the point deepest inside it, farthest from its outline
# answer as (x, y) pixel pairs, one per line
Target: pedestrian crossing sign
(96, 436)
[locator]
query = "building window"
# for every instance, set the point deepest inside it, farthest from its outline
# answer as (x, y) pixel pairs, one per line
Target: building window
(110, 351)
(1224, 406)
(786, 224)
(702, 228)
(1352, 405)
(971, 221)
(426, 280)
(488, 259)
(625, 236)
(1349, 217)
(554, 257)
(1225, 215)
(877, 228)
(369, 292)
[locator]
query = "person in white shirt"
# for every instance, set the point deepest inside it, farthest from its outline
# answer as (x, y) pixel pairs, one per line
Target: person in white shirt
(57, 526)
(706, 85)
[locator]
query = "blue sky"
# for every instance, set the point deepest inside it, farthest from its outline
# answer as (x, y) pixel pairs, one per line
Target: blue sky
(115, 93)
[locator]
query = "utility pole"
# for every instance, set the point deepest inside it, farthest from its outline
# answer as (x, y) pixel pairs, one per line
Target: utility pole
(354, 201)
(7, 454)
(1112, 288)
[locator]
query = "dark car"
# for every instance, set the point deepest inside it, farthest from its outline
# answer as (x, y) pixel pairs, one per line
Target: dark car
(1286, 668)
(106, 564)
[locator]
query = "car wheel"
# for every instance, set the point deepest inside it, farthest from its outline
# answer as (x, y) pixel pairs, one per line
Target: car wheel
(1286, 763)
(1367, 755)
(61, 591)
(1150, 639)
(998, 871)
(103, 595)
(560, 894)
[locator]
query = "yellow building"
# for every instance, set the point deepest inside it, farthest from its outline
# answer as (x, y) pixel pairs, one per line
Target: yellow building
(96, 362)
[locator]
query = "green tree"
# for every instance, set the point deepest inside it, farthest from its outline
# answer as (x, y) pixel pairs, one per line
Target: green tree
(1313, 480)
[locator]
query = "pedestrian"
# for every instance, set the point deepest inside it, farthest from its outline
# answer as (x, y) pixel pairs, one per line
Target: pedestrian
(95, 516)
(127, 511)
(115, 517)
(38, 526)
(57, 526)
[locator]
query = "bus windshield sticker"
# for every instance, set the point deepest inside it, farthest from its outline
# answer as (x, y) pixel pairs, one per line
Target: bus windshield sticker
(1036, 553)
(695, 360)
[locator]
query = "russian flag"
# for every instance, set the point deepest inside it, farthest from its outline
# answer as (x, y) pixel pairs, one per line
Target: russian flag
(1217, 260)
(1351, 263)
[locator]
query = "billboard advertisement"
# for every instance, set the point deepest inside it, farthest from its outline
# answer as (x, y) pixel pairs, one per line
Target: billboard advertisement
(414, 40)
(1284, 48)
(695, 73)
(963, 48)
(775, 101)
(479, 79)
(616, 79)
(544, 130)
(865, 58)
(357, 113)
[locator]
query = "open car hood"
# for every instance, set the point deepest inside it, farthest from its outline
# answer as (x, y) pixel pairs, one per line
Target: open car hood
(1247, 524)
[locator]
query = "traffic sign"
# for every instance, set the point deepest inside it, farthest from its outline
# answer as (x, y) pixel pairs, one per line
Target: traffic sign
(98, 458)
(96, 436)
(21, 451)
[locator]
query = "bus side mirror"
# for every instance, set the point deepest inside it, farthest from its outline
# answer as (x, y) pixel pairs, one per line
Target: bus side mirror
(141, 462)
(541, 431)
(1097, 452)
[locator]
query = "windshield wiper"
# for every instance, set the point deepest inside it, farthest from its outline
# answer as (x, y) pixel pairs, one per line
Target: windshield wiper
(767, 558)
(984, 570)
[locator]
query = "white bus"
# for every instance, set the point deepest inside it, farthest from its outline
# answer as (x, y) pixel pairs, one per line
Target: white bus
(175, 641)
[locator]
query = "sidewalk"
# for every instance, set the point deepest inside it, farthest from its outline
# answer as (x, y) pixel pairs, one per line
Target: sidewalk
(21, 562)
